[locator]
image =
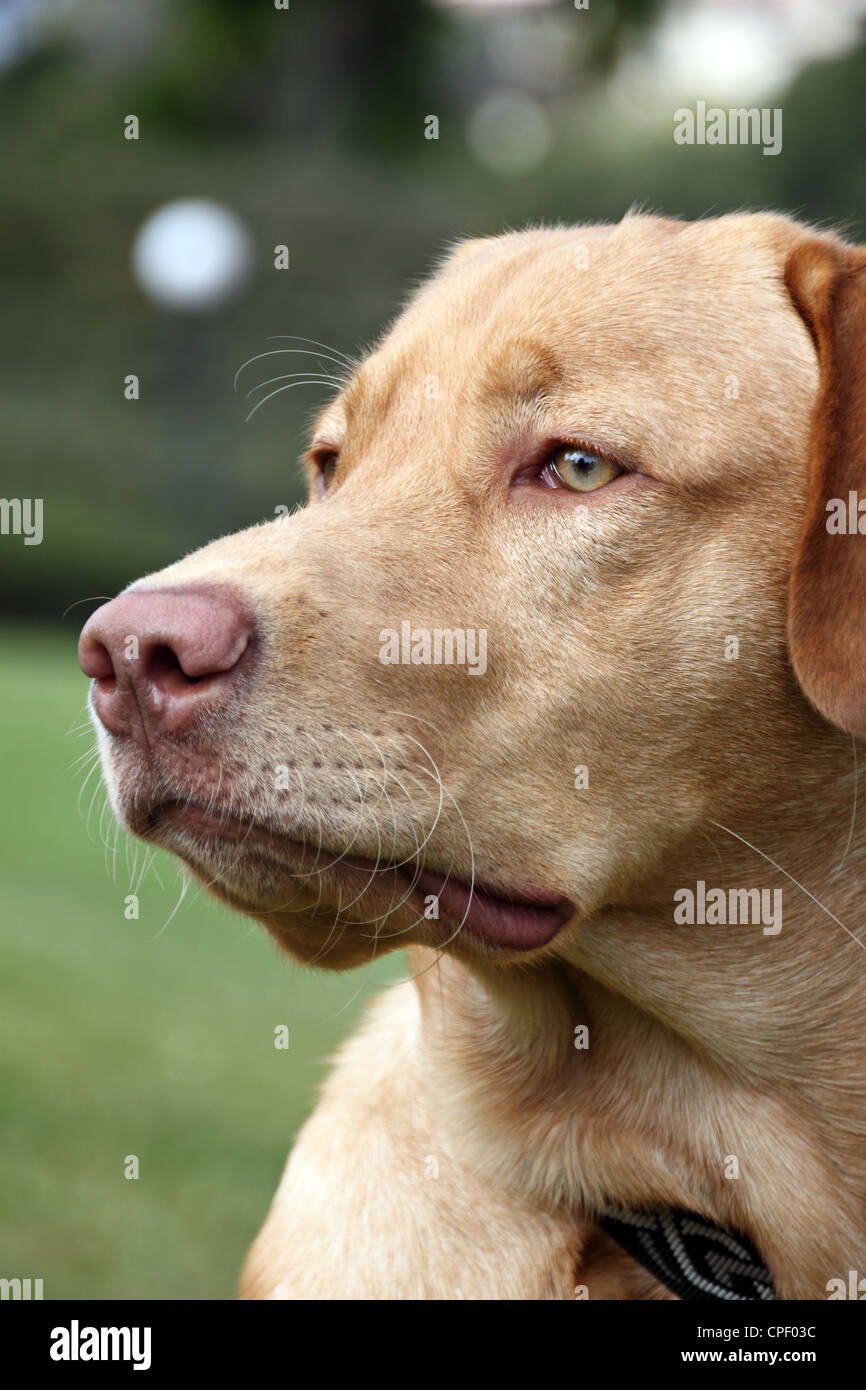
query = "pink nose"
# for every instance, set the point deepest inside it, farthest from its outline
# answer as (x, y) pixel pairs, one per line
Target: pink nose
(158, 657)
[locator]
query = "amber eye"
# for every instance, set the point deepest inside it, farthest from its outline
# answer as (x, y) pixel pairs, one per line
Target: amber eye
(580, 469)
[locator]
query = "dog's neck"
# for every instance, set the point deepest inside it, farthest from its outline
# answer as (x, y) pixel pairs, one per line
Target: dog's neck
(723, 1067)
(748, 936)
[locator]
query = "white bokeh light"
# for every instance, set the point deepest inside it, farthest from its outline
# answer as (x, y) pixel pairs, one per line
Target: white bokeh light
(192, 255)
(509, 132)
(739, 51)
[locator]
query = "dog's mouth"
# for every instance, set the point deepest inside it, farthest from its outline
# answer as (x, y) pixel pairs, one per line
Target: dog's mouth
(516, 918)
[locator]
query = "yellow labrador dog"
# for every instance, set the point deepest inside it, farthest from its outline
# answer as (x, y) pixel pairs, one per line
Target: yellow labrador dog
(557, 683)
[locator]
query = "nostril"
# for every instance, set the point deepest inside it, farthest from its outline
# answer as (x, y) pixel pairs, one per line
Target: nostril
(164, 670)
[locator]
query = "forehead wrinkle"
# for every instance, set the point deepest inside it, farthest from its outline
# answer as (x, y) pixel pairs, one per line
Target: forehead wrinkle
(519, 373)
(373, 386)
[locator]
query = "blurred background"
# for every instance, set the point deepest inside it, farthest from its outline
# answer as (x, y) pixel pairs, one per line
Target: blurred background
(180, 182)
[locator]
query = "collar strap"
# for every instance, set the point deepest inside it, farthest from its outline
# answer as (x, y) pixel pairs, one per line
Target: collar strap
(692, 1256)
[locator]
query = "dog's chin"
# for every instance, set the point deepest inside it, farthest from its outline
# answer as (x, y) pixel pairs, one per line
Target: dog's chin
(316, 935)
(337, 910)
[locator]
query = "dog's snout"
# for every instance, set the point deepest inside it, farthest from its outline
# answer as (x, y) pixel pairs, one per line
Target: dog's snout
(158, 657)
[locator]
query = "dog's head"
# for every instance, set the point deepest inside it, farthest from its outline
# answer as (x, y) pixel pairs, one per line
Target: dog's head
(566, 590)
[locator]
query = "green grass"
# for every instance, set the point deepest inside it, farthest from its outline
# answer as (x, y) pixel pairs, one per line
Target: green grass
(132, 1037)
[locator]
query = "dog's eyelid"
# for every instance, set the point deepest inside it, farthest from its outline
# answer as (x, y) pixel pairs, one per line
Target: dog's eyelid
(321, 449)
(582, 444)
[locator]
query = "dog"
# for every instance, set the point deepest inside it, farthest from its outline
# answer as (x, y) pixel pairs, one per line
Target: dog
(616, 459)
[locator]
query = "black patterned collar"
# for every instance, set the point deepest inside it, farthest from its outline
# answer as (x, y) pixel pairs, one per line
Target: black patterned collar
(689, 1254)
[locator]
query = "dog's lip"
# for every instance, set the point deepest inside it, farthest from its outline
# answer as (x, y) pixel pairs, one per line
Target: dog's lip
(522, 918)
(214, 825)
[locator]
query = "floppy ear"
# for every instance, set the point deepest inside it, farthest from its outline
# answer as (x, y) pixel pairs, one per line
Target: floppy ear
(827, 602)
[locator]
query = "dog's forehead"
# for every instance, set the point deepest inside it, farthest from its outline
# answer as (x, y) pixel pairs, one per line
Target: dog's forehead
(568, 287)
(644, 275)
